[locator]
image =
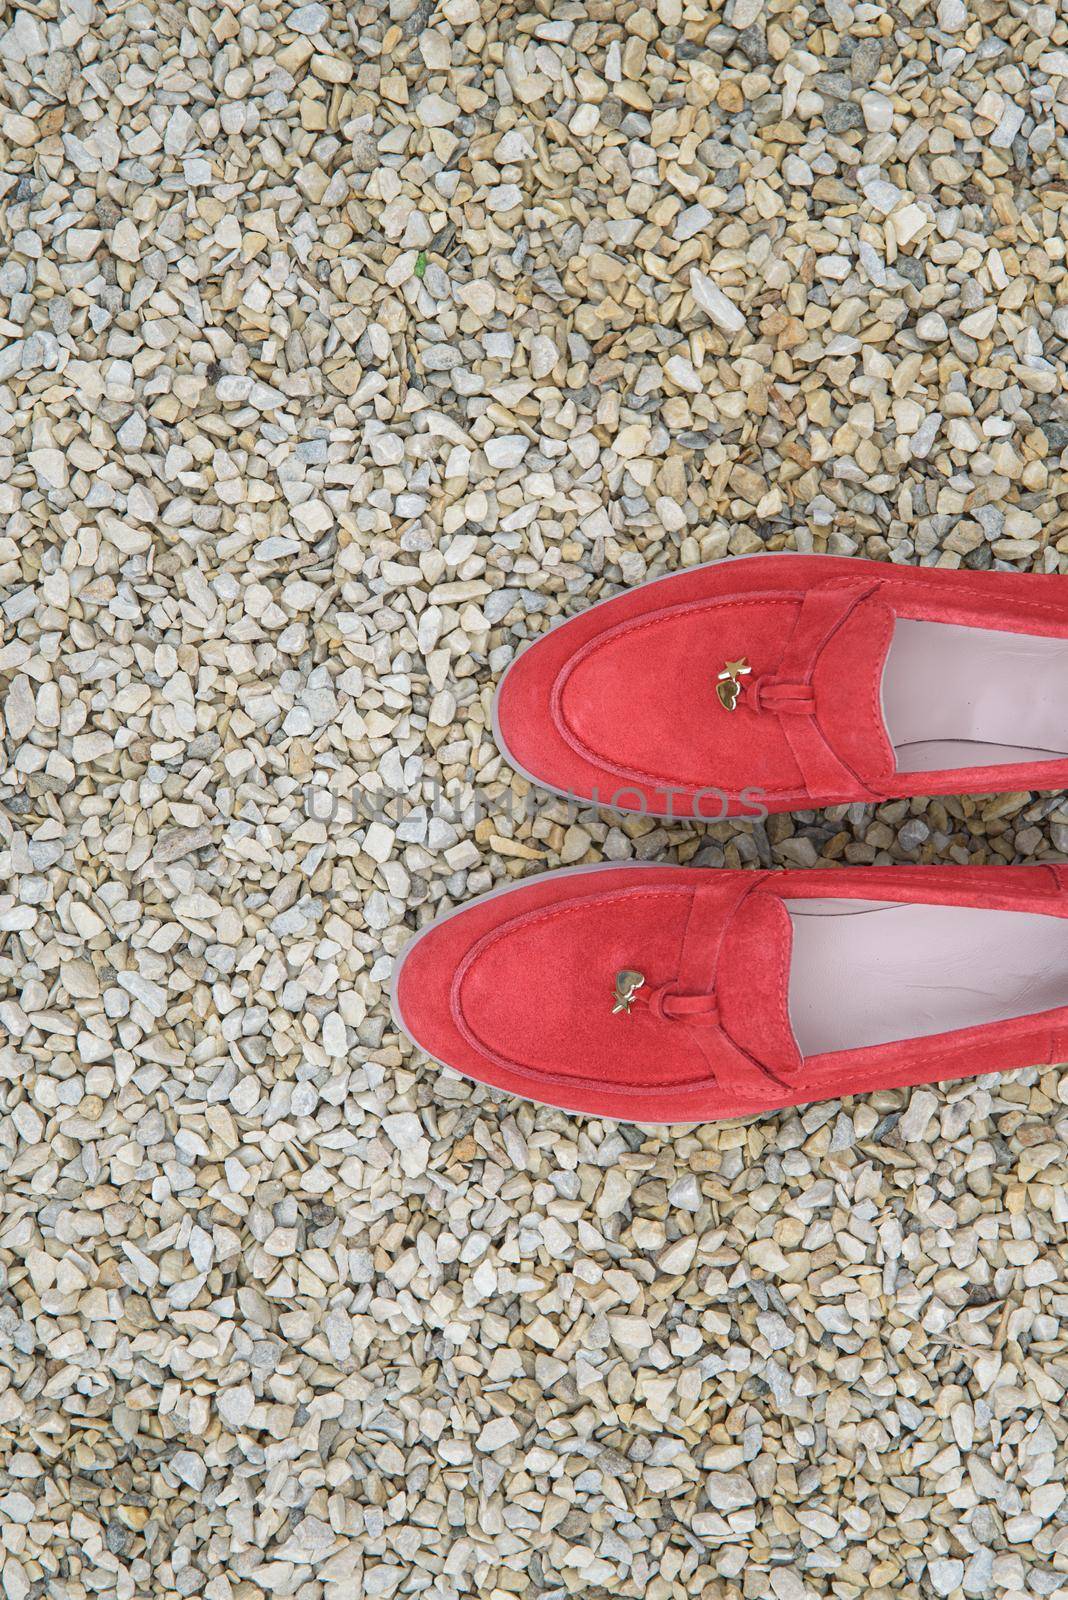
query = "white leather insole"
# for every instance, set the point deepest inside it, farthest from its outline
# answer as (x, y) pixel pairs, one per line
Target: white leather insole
(865, 972)
(970, 697)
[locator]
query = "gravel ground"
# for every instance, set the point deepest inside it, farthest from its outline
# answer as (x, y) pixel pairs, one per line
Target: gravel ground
(342, 349)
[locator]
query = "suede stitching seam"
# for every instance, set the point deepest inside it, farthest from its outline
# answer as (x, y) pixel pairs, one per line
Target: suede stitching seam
(782, 990)
(883, 877)
(1037, 606)
(654, 619)
(601, 642)
(549, 914)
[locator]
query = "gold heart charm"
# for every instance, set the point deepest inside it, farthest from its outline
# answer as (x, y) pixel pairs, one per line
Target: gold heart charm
(627, 983)
(728, 687)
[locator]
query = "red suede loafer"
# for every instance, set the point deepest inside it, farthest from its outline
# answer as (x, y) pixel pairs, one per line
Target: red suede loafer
(781, 682)
(681, 994)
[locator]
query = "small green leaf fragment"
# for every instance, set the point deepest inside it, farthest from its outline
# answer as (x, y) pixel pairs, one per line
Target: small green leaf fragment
(420, 264)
